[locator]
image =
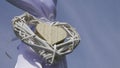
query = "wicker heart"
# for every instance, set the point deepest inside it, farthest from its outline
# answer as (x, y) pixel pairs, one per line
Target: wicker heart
(51, 33)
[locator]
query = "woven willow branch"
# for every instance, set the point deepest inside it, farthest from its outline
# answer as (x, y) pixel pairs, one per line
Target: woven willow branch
(22, 27)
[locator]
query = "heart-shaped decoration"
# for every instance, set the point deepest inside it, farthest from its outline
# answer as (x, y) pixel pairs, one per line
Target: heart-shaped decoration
(51, 33)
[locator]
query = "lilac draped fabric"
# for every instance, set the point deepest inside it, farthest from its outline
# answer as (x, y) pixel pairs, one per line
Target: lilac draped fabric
(27, 58)
(38, 8)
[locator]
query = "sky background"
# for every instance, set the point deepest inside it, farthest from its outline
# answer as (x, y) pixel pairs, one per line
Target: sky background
(97, 22)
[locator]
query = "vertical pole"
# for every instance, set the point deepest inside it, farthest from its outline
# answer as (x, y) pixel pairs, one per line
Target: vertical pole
(39, 8)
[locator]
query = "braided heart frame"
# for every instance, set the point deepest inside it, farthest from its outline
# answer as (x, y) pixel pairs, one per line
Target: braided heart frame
(22, 26)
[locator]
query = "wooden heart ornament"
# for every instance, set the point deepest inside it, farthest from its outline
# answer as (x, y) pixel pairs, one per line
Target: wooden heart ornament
(51, 33)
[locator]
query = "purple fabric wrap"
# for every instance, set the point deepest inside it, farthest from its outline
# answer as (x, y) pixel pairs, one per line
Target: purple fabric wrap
(27, 58)
(38, 8)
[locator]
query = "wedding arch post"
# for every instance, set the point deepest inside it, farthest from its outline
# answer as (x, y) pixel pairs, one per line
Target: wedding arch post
(37, 51)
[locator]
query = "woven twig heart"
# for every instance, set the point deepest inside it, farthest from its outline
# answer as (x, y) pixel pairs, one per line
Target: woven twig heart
(51, 33)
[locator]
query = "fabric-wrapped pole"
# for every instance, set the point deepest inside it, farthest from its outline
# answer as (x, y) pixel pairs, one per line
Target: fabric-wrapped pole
(39, 8)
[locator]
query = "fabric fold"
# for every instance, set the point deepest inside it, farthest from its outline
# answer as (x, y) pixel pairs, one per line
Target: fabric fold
(38, 8)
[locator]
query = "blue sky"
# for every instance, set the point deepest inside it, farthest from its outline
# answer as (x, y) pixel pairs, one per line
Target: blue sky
(97, 21)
